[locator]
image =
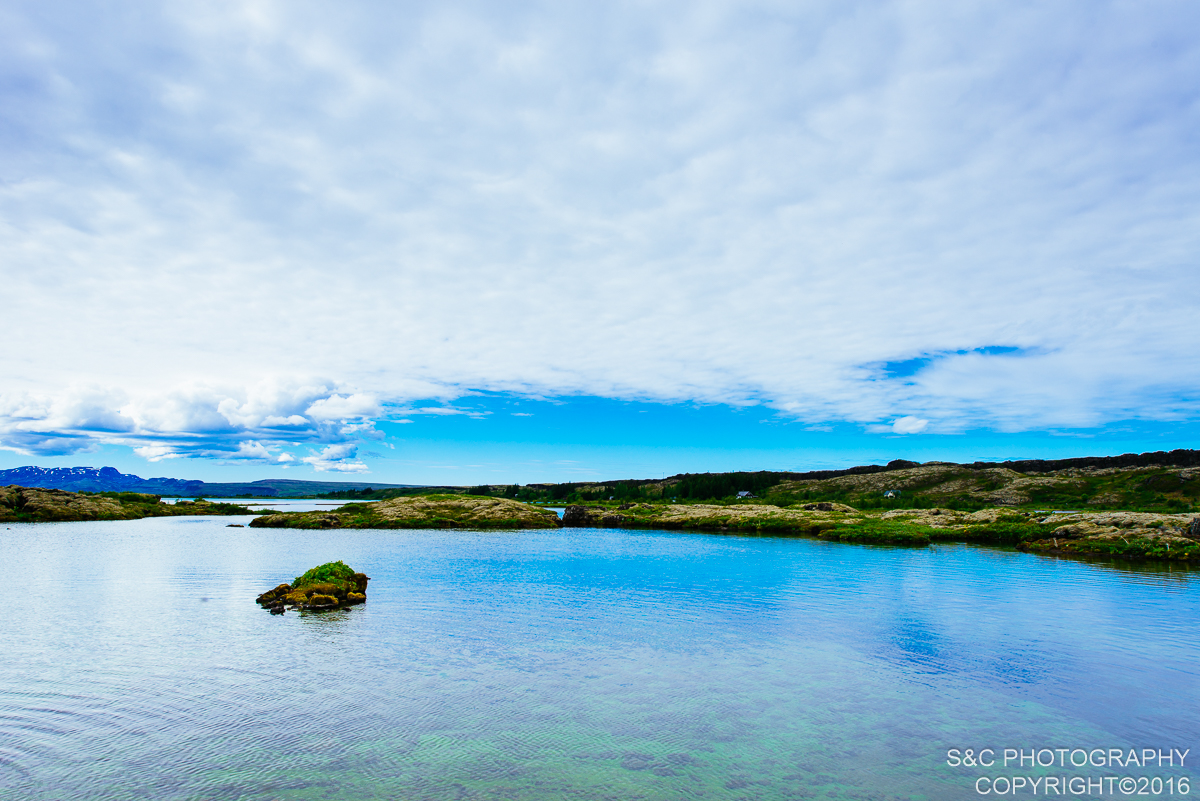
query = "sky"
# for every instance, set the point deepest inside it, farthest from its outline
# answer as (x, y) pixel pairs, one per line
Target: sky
(464, 242)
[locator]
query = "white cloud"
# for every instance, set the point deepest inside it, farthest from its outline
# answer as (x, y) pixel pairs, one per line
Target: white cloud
(909, 425)
(341, 458)
(252, 450)
(439, 411)
(357, 406)
(275, 421)
(190, 420)
(156, 453)
(730, 202)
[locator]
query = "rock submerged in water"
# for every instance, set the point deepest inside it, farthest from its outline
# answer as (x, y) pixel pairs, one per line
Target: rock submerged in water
(328, 586)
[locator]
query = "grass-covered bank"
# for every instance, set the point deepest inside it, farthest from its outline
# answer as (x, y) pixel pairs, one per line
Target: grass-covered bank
(31, 505)
(1118, 534)
(419, 511)
(1111, 534)
(1124, 534)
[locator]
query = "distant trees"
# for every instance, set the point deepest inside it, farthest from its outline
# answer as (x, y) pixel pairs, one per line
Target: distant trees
(712, 486)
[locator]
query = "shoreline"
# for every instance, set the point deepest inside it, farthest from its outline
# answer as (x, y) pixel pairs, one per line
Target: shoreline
(1153, 536)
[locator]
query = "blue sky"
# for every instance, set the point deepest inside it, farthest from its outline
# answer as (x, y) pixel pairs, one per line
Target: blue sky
(253, 239)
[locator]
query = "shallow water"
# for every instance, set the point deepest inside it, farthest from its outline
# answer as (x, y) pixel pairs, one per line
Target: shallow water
(571, 664)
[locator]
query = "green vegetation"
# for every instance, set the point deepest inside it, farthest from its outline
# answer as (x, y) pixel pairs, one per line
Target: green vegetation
(1006, 531)
(419, 511)
(1137, 535)
(1167, 482)
(328, 572)
(324, 587)
(714, 486)
(1129, 547)
(33, 505)
(966, 489)
(880, 532)
(1136, 505)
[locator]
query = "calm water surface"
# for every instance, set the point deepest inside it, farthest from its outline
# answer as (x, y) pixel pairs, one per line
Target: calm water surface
(570, 664)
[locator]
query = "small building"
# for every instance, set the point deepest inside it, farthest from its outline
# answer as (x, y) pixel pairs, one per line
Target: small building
(745, 494)
(891, 493)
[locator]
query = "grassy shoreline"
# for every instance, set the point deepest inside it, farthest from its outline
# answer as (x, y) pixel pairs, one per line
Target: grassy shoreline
(1145, 535)
(1123, 534)
(33, 505)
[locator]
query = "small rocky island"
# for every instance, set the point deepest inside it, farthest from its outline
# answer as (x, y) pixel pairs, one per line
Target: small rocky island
(325, 587)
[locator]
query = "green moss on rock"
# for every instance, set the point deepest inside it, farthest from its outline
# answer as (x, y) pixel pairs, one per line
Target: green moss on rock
(324, 587)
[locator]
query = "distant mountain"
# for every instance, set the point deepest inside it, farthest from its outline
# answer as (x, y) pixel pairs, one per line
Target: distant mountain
(109, 479)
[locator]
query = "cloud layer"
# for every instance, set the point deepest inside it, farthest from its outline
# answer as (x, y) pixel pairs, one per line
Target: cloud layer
(203, 206)
(197, 421)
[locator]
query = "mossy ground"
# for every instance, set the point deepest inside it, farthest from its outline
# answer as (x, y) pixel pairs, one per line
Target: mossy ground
(1117, 534)
(425, 511)
(1128, 535)
(35, 505)
(1130, 547)
(1101, 484)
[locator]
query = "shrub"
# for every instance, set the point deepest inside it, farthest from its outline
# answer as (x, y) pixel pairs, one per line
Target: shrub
(321, 574)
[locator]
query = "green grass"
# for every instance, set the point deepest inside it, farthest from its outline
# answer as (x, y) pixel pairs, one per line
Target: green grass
(324, 574)
(880, 532)
(1134, 490)
(1129, 547)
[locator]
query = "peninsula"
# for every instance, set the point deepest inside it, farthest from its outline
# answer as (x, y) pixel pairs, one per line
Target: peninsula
(1120, 534)
(420, 511)
(34, 505)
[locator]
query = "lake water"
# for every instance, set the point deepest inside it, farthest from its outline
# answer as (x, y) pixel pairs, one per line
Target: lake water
(275, 504)
(579, 664)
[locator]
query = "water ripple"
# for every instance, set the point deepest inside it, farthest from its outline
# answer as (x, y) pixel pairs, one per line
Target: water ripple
(581, 664)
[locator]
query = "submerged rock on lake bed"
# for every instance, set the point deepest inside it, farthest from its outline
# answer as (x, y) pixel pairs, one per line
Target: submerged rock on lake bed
(328, 586)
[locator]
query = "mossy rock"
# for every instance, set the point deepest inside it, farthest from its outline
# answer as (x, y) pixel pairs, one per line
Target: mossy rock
(297, 598)
(320, 603)
(326, 586)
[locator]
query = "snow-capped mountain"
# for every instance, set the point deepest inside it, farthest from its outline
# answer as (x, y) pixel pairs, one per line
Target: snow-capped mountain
(94, 479)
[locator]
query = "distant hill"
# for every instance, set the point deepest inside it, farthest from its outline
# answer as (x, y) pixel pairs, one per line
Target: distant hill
(109, 479)
(1167, 480)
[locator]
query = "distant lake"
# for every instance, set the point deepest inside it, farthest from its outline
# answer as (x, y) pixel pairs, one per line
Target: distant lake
(583, 664)
(276, 504)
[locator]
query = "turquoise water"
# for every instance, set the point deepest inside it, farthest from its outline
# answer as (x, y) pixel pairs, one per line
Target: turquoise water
(578, 664)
